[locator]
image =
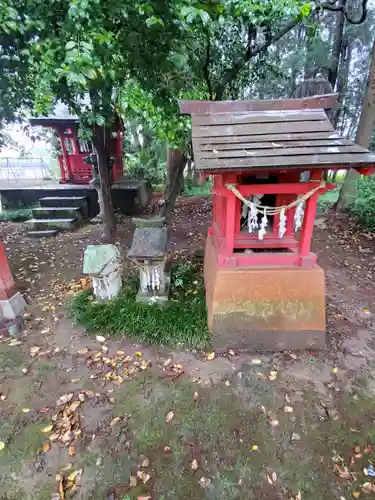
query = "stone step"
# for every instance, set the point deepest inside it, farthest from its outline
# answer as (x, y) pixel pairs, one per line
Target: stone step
(66, 202)
(42, 234)
(57, 212)
(46, 224)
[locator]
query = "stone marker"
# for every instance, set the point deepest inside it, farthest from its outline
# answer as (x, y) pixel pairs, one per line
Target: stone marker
(102, 263)
(148, 250)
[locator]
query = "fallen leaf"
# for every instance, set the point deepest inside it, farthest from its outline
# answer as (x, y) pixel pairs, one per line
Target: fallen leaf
(34, 351)
(367, 488)
(210, 356)
(194, 464)
(100, 338)
(64, 399)
(84, 350)
(74, 475)
(254, 447)
(112, 400)
(356, 494)
(196, 396)
(26, 410)
(139, 354)
(334, 369)
(114, 421)
(72, 408)
(46, 447)
(72, 450)
(133, 482)
(204, 482)
(343, 472)
(272, 478)
(143, 476)
(169, 416)
(272, 375)
(46, 429)
(2, 445)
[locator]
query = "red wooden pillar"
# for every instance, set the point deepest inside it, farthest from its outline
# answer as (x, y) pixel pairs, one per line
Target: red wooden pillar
(12, 304)
(66, 157)
(308, 225)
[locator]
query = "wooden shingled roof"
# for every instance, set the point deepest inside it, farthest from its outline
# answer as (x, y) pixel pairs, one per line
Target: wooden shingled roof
(285, 133)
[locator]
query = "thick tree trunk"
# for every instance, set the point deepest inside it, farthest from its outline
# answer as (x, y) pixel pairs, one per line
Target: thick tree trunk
(363, 137)
(101, 140)
(176, 161)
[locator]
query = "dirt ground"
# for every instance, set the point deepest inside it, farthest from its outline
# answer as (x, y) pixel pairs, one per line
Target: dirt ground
(141, 423)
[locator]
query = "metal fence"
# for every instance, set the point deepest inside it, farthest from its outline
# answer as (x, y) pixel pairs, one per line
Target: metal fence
(25, 169)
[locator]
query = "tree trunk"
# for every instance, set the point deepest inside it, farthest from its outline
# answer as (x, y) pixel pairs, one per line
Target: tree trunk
(176, 161)
(363, 137)
(337, 46)
(101, 141)
(342, 82)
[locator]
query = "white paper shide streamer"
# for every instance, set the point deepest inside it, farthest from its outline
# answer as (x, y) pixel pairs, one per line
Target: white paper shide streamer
(263, 225)
(252, 218)
(282, 223)
(298, 217)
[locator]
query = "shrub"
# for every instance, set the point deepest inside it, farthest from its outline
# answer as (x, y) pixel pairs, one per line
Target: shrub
(364, 203)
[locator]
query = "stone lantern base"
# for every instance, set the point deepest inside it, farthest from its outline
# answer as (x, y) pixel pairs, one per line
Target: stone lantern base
(160, 296)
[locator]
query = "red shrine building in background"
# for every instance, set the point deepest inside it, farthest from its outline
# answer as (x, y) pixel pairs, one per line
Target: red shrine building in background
(264, 288)
(73, 150)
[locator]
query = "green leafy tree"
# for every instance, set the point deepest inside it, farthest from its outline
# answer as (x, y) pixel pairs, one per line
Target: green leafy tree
(82, 52)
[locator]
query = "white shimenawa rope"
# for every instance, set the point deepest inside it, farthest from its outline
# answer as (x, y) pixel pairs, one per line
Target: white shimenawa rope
(255, 208)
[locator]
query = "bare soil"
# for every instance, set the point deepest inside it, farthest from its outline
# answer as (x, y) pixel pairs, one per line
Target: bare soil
(259, 427)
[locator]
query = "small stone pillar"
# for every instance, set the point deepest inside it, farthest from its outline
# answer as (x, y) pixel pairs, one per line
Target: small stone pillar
(148, 249)
(12, 303)
(102, 263)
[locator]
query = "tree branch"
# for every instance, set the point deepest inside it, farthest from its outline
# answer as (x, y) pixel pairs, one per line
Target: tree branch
(251, 51)
(206, 69)
(342, 7)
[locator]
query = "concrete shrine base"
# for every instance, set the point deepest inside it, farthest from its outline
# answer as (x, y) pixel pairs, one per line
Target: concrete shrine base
(264, 308)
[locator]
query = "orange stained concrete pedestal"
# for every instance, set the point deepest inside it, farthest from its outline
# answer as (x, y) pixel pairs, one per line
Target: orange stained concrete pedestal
(276, 308)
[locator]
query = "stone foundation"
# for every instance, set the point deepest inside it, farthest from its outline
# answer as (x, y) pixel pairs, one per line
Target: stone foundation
(264, 308)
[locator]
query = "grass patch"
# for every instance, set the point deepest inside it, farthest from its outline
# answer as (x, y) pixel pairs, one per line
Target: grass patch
(15, 215)
(203, 189)
(181, 322)
(11, 358)
(22, 442)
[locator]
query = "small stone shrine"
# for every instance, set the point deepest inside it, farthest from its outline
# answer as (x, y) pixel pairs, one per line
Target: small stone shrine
(148, 250)
(102, 263)
(264, 289)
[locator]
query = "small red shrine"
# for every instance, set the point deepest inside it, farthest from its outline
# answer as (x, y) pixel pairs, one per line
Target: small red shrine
(74, 169)
(264, 289)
